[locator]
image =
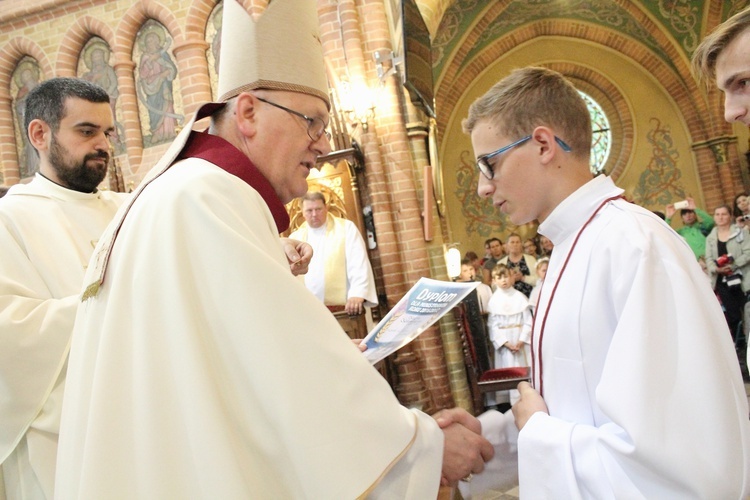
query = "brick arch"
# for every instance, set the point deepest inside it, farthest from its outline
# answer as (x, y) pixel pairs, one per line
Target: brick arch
(124, 39)
(197, 17)
(139, 14)
(74, 40)
(685, 93)
(12, 53)
(707, 122)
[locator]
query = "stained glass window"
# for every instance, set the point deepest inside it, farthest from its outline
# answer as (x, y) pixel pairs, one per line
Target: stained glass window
(601, 140)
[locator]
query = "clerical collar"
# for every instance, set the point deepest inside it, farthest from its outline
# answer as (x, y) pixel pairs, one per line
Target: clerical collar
(95, 191)
(221, 153)
(573, 211)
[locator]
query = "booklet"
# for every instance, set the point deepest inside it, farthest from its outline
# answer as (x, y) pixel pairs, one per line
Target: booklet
(423, 305)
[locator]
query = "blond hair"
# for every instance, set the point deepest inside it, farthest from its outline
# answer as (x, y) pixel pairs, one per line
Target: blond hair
(530, 97)
(704, 57)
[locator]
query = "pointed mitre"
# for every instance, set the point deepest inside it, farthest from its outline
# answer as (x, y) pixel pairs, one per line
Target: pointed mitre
(281, 50)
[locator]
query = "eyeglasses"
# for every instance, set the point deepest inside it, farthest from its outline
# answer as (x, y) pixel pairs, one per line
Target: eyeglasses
(315, 126)
(483, 163)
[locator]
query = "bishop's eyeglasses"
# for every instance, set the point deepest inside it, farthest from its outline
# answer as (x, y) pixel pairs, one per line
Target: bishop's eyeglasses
(483, 162)
(315, 126)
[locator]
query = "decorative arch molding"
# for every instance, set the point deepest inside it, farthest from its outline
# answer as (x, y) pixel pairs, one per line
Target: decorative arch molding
(197, 18)
(685, 93)
(15, 50)
(125, 34)
(74, 40)
(12, 53)
(139, 14)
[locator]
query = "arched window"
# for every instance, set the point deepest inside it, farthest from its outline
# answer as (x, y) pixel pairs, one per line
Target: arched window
(601, 140)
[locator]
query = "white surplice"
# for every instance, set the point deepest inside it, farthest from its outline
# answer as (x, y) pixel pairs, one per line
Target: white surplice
(509, 320)
(204, 369)
(360, 281)
(640, 377)
(47, 235)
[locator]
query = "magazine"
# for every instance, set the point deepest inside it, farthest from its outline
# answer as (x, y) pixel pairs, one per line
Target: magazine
(422, 306)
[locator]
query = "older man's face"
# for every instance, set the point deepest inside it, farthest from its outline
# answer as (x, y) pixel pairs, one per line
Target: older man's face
(281, 148)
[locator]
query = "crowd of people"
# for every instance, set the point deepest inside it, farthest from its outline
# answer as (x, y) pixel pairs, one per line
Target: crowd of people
(163, 315)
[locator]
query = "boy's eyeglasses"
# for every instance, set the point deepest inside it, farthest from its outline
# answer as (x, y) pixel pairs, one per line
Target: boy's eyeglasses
(483, 163)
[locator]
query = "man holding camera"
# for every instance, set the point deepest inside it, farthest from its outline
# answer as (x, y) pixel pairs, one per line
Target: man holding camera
(696, 224)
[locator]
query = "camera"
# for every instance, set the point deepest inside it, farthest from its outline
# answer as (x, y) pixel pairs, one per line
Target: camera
(744, 217)
(681, 204)
(724, 260)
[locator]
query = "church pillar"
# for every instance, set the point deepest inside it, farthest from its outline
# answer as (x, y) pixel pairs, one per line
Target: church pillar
(719, 170)
(130, 120)
(195, 82)
(8, 151)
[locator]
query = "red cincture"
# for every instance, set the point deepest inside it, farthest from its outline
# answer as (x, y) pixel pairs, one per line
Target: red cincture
(549, 305)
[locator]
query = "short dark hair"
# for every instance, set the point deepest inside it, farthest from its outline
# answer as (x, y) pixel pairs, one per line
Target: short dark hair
(46, 101)
(3, 190)
(471, 255)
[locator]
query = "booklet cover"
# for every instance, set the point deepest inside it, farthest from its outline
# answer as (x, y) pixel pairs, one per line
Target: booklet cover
(423, 305)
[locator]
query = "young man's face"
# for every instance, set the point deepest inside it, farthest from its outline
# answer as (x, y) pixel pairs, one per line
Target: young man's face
(514, 188)
(733, 78)
(314, 212)
(496, 249)
(78, 154)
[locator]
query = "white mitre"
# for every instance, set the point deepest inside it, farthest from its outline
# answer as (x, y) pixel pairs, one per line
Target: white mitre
(279, 51)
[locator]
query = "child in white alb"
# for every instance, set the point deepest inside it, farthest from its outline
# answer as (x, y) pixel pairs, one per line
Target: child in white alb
(509, 326)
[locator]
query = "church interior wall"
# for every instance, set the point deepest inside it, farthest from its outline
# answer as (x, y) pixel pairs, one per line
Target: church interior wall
(632, 57)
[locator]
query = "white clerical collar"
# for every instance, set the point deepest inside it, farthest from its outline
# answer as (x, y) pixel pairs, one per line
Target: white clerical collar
(40, 185)
(574, 210)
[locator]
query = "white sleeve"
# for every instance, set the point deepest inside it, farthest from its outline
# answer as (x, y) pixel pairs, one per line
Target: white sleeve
(360, 280)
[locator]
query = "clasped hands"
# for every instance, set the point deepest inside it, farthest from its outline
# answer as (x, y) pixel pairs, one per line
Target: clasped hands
(465, 451)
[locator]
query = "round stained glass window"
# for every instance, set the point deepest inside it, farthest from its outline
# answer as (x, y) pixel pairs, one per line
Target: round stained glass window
(601, 140)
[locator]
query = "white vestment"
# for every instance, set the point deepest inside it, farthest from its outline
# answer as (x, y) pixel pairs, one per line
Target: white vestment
(509, 320)
(639, 374)
(47, 235)
(204, 369)
(359, 278)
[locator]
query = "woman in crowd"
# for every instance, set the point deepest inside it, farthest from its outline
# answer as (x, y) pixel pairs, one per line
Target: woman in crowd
(728, 264)
(742, 209)
(520, 265)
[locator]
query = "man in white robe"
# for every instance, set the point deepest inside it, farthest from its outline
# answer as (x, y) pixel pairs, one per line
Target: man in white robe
(340, 274)
(636, 390)
(200, 367)
(724, 57)
(48, 229)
